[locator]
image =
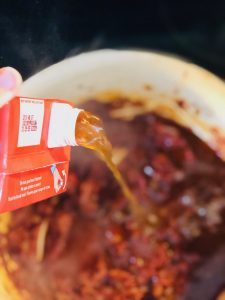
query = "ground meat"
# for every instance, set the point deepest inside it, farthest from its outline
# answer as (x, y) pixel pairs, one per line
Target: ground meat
(94, 248)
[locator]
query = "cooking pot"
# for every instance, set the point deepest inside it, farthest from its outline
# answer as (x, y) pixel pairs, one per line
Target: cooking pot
(178, 90)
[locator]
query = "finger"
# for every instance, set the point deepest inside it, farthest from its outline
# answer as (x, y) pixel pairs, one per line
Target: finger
(10, 82)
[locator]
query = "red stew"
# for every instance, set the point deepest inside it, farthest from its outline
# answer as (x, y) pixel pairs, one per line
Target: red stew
(94, 248)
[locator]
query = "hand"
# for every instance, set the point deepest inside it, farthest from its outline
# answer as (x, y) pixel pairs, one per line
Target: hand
(10, 82)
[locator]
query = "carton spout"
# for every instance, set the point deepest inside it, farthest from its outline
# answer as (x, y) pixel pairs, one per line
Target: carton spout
(62, 125)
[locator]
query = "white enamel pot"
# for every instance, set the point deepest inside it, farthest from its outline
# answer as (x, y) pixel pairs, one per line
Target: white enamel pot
(160, 81)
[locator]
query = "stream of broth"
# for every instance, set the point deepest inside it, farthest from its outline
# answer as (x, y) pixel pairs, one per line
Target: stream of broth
(90, 134)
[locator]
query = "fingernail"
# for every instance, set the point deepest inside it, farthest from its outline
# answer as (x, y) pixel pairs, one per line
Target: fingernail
(8, 79)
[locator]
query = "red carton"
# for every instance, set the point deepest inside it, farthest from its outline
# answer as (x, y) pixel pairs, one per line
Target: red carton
(35, 140)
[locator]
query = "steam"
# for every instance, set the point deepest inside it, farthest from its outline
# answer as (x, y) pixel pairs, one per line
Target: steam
(31, 52)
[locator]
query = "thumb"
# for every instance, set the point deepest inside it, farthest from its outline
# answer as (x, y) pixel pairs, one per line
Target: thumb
(10, 82)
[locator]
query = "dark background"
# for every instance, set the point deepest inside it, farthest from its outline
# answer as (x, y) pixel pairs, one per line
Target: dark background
(35, 33)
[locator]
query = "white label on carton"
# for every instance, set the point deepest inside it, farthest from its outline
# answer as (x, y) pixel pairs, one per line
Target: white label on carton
(31, 122)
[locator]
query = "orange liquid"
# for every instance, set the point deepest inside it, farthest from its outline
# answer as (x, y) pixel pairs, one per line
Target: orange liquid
(90, 134)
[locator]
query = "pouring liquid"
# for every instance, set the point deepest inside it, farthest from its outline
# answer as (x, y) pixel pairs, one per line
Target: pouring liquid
(90, 134)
